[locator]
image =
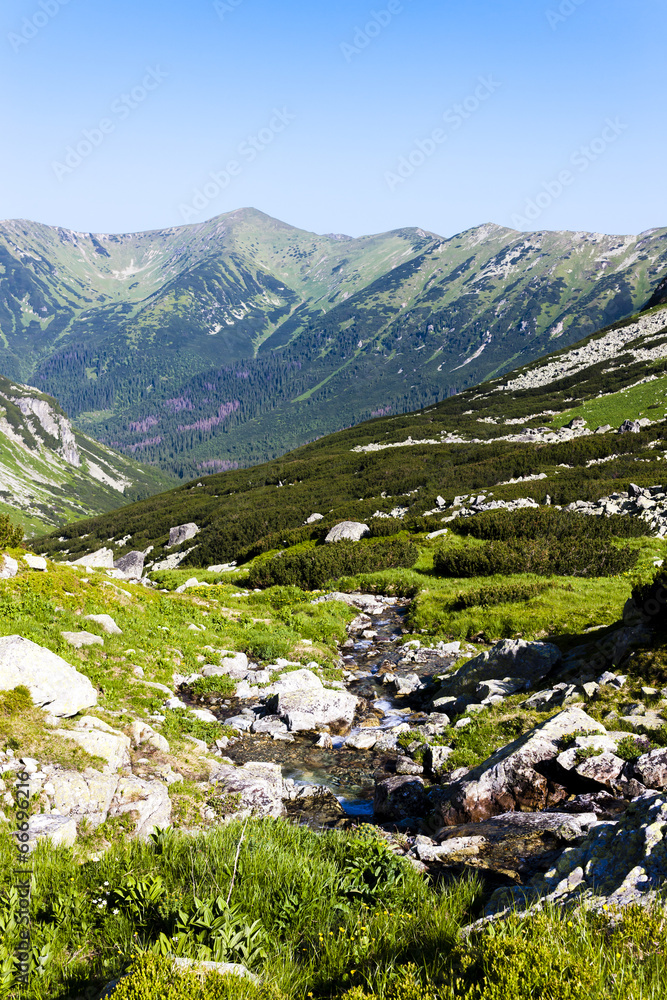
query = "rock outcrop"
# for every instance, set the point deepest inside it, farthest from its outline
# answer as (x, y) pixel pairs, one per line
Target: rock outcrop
(351, 531)
(53, 683)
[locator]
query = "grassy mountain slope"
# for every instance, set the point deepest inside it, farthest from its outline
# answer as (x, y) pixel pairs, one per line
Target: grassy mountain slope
(222, 344)
(50, 473)
(507, 429)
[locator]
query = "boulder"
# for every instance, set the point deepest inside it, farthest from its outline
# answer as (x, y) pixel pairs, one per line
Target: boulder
(259, 788)
(515, 659)
(100, 559)
(182, 533)
(651, 768)
(88, 794)
(630, 427)
(81, 639)
(131, 565)
(314, 518)
(35, 562)
(235, 665)
(147, 801)
(143, 733)
(110, 744)
(310, 709)
(351, 531)
(8, 567)
(316, 802)
(296, 680)
(53, 683)
(399, 797)
(618, 864)
(365, 740)
(106, 621)
(512, 778)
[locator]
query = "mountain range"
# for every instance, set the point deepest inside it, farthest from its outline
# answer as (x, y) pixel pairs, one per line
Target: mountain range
(209, 347)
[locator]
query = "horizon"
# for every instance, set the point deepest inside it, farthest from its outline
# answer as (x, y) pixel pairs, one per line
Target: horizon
(332, 233)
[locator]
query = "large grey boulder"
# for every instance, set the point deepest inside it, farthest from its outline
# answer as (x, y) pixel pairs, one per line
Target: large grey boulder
(100, 559)
(399, 797)
(630, 427)
(53, 683)
(511, 778)
(351, 531)
(81, 639)
(256, 789)
(100, 740)
(651, 768)
(131, 565)
(618, 864)
(182, 533)
(527, 663)
(60, 830)
(303, 702)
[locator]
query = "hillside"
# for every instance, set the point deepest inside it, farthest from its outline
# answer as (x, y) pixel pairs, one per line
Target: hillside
(223, 344)
(481, 440)
(51, 473)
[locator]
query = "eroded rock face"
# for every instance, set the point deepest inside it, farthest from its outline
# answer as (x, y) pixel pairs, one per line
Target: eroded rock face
(510, 780)
(351, 531)
(512, 660)
(618, 863)
(53, 683)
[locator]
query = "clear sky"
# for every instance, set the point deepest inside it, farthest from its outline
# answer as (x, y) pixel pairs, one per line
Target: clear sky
(346, 116)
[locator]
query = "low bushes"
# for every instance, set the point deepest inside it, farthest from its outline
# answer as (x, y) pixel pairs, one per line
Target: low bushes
(548, 522)
(10, 535)
(542, 556)
(502, 593)
(311, 569)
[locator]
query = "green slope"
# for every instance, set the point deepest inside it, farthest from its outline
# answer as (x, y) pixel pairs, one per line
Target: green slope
(50, 473)
(200, 347)
(478, 440)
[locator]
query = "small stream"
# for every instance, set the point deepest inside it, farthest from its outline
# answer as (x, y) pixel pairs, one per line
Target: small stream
(350, 773)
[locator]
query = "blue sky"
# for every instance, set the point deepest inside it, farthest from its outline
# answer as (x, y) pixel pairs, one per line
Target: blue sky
(115, 115)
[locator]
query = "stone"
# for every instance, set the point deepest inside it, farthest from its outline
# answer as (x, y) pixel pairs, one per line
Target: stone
(651, 768)
(100, 559)
(182, 533)
(131, 565)
(143, 733)
(8, 567)
(88, 794)
(406, 684)
(504, 687)
(114, 746)
(324, 742)
(509, 780)
(404, 765)
(203, 715)
(81, 639)
(630, 427)
(527, 662)
(314, 518)
(436, 758)
(147, 801)
(270, 724)
(316, 801)
(365, 740)
(399, 797)
(259, 787)
(351, 531)
(311, 710)
(296, 680)
(35, 562)
(60, 830)
(469, 846)
(618, 864)
(53, 683)
(107, 623)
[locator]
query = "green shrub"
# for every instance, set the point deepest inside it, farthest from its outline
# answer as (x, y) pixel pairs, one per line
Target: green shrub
(155, 978)
(17, 700)
(632, 747)
(541, 556)
(502, 593)
(11, 535)
(312, 569)
(548, 522)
